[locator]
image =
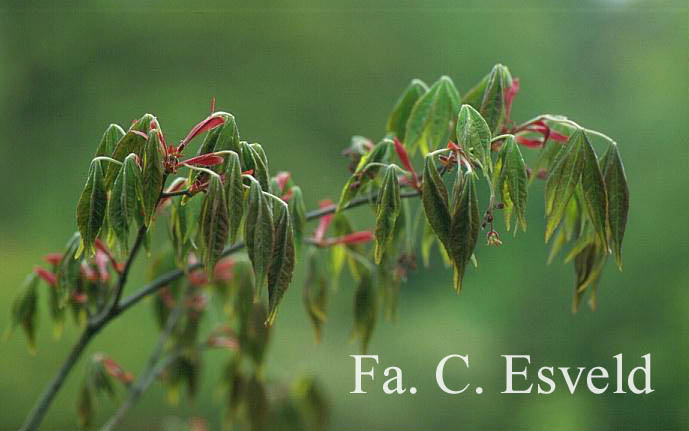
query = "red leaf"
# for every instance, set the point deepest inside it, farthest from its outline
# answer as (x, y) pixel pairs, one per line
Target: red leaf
(88, 272)
(509, 96)
(557, 137)
(204, 160)
(79, 297)
(46, 275)
(114, 369)
(102, 260)
(404, 159)
(223, 341)
(323, 222)
(53, 258)
(452, 146)
(530, 143)
(142, 134)
(352, 238)
(209, 123)
(281, 178)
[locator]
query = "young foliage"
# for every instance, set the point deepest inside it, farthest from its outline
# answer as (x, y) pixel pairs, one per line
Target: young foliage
(429, 122)
(388, 209)
(135, 179)
(91, 208)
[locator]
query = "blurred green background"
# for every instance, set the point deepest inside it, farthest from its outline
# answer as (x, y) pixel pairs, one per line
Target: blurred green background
(301, 79)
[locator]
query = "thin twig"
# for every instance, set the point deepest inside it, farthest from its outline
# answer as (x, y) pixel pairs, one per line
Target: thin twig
(100, 321)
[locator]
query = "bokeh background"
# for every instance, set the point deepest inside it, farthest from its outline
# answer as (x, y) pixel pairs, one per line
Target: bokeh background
(302, 78)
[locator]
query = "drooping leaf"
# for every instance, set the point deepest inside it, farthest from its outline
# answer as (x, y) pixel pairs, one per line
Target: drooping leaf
(234, 192)
(429, 123)
(214, 223)
(257, 333)
(512, 182)
(131, 142)
(435, 201)
(588, 266)
(493, 106)
(388, 209)
(365, 310)
(593, 187)
(68, 270)
(256, 404)
(91, 208)
(258, 233)
(397, 120)
(261, 172)
(85, 408)
(562, 180)
(618, 198)
(465, 225)
(126, 198)
(152, 175)
(315, 402)
(282, 261)
(24, 311)
(315, 291)
(474, 135)
(110, 138)
(365, 171)
(297, 210)
(179, 231)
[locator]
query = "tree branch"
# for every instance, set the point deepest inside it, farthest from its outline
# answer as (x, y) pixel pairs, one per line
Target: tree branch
(118, 306)
(153, 367)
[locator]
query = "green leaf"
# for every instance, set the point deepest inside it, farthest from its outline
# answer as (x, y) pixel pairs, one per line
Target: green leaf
(365, 310)
(282, 261)
(91, 208)
(234, 192)
(153, 173)
(257, 404)
(562, 180)
(126, 199)
(435, 201)
(68, 270)
(588, 266)
(221, 138)
(493, 107)
(261, 172)
(24, 311)
(130, 143)
(618, 198)
(388, 209)
(430, 120)
(364, 172)
(258, 333)
(258, 232)
(179, 231)
(214, 222)
(297, 210)
(397, 120)
(465, 226)
(512, 182)
(474, 135)
(108, 142)
(315, 291)
(594, 192)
